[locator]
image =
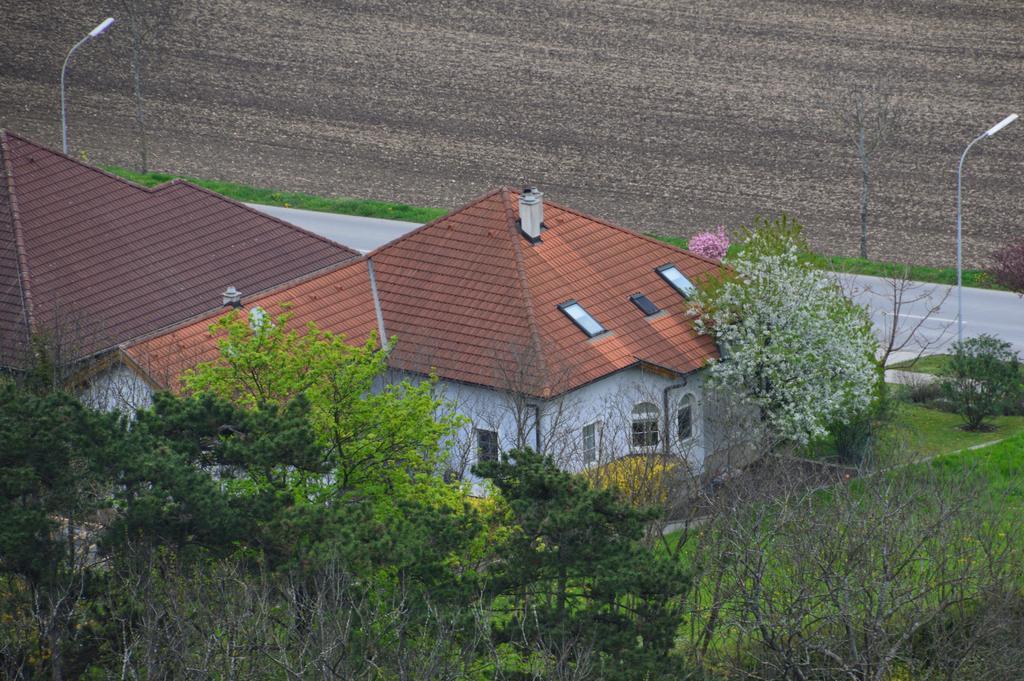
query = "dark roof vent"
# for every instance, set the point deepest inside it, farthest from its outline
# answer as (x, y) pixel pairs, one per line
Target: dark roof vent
(231, 297)
(644, 303)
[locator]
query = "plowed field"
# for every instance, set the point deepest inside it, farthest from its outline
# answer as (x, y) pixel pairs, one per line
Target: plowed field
(662, 115)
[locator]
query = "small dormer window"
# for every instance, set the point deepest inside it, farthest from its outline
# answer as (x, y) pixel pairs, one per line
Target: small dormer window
(677, 279)
(581, 318)
(644, 303)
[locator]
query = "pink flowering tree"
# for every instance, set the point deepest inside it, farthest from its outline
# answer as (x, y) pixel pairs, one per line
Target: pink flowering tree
(710, 244)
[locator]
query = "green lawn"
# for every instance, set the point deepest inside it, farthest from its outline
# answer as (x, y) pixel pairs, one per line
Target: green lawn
(1002, 466)
(923, 432)
(271, 197)
(933, 275)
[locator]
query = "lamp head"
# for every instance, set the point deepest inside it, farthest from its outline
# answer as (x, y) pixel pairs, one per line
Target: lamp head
(1000, 125)
(102, 27)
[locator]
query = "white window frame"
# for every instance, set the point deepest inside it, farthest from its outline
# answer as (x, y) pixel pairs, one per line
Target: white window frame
(688, 400)
(646, 444)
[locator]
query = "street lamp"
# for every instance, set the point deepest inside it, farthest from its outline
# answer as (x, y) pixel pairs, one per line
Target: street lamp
(959, 273)
(99, 30)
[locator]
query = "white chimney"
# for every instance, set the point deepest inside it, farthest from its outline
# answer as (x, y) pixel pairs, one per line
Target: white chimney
(232, 297)
(531, 212)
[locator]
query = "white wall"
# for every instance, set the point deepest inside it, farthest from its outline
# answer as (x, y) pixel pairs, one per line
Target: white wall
(608, 402)
(117, 387)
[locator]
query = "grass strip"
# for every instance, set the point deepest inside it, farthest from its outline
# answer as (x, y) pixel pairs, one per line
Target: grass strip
(876, 268)
(932, 364)
(928, 364)
(271, 197)
(401, 211)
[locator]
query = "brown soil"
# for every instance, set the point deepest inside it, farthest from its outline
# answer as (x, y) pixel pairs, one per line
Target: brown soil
(663, 115)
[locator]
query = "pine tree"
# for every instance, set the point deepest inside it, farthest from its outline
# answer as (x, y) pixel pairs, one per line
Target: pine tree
(580, 586)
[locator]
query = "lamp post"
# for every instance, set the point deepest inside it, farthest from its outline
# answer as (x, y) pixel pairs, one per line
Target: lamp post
(99, 30)
(959, 271)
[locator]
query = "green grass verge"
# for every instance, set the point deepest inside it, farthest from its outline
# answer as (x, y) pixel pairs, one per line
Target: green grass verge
(931, 275)
(929, 364)
(874, 268)
(932, 364)
(401, 211)
(271, 197)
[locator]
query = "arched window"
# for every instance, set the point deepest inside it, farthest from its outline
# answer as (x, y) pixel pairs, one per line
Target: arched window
(645, 424)
(685, 418)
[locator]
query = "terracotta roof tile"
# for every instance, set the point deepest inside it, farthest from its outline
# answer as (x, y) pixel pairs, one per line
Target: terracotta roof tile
(469, 297)
(339, 300)
(116, 261)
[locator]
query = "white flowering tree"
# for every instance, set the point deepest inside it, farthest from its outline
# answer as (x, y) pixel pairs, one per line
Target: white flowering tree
(794, 346)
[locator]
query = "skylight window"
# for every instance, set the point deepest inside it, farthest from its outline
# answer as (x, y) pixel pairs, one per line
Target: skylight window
(581, 318)
(677, 279)
(644, 303)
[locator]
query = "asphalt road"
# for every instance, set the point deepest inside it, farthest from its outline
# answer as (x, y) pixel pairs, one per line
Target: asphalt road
(932, 308)
(926, 319)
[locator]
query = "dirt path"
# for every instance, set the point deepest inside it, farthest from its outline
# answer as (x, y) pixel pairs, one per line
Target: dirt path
(664, 115)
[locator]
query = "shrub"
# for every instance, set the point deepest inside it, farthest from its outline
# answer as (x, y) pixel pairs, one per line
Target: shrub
(857, 440)
(925, 391)
(710, 244)
(642, 480)
(982, 379)
(1007, 267)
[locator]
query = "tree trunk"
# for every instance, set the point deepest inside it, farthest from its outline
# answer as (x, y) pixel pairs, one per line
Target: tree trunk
(53, 641)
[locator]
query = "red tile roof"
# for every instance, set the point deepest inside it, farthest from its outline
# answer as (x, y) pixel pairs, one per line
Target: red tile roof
(339, 300)
(467, 296)
(471, 298)
(102, 260)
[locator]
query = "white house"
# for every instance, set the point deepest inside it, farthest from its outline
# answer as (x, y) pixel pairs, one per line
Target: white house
(546, 327)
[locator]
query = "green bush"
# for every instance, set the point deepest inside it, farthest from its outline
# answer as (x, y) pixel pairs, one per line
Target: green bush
(982, 379)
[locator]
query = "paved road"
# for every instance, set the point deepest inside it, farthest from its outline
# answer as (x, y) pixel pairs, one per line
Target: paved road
(997, 313)
(993, 312)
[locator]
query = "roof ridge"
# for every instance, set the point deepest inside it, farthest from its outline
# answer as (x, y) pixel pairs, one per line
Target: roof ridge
(213, 312)
(19, 240)
(177, 181)
(436, 220)
(633, 232)
(180, 181)
(524, 287)
(89, 166)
